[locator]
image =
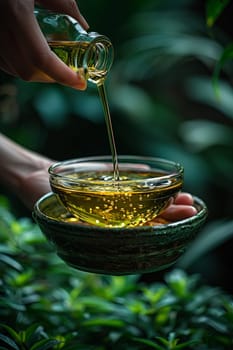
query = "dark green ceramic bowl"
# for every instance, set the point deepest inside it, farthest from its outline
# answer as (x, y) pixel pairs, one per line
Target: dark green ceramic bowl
(115, 251)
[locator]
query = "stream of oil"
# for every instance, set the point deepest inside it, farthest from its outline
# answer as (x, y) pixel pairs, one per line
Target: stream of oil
(104, 101)
(72, 53)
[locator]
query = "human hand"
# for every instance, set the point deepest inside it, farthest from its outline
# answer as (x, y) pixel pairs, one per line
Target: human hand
(36, 184)
(181, 208)
(24, 50)
(26, 173)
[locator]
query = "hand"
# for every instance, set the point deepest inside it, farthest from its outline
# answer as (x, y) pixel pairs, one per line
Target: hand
(26, 174)
(181, 208)
(24, 50)
(35, 184)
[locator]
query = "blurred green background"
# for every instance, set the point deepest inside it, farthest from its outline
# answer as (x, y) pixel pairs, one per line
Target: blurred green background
(163, 103)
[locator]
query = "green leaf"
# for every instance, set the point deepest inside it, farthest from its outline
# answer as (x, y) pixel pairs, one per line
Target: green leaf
(178, 282)
(22, 278)
(4, 202)
(6, 302)
(11, 332)
(11, 344)
(10, 262)
(202, 135)
(201, 89)
(214, 8)
(226, 55)
(105, 322)
(96, 303)
(186, 345)
(149, 343)
(154, 295)
(32, 331)
(44, 344)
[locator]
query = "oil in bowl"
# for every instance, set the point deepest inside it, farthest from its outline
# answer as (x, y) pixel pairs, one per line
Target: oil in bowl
(89, 189)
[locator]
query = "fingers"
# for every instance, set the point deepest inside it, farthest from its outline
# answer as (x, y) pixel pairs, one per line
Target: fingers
(178, 212)
(184, 198)
(30, 57)
(24, 50)
(69, 7)
(181, 208)
(51, 68)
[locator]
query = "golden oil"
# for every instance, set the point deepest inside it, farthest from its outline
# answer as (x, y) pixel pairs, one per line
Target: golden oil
(81, 55)
(76, 55)
(98, 199)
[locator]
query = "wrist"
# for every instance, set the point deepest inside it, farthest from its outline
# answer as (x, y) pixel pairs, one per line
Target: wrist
(17, 163)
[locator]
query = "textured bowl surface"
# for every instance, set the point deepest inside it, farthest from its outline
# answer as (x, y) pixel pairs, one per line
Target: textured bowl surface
(115, 251)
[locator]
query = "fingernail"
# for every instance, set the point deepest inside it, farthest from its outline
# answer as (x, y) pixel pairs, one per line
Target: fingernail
(82, 81)
(84, 23)
(192, 210)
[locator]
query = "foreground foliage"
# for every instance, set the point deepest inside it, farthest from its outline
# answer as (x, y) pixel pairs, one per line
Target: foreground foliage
(47, 305)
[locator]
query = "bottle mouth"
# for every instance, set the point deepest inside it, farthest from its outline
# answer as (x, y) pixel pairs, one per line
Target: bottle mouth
(98, 57)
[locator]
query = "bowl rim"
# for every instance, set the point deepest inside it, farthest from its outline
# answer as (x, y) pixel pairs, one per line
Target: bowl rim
(38, 214)
(175, 170)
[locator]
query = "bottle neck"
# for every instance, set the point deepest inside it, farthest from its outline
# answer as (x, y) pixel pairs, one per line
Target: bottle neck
(77, 48)
(98, 58)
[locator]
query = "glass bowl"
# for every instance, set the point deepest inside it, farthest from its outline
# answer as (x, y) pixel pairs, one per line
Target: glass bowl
(128, 195)
(115, 251)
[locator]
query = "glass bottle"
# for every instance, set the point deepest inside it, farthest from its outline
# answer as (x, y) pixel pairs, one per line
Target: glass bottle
(89, 51)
